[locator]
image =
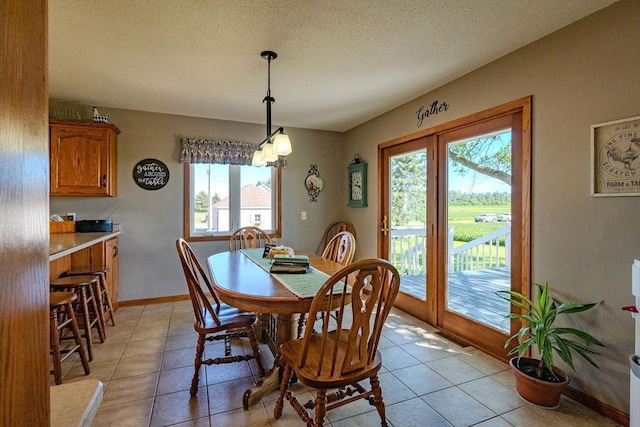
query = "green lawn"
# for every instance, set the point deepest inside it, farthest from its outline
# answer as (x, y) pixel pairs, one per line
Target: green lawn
(468, 213)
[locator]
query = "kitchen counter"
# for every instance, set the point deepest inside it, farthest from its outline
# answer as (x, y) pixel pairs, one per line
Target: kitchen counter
(63, 244)
(75, 404)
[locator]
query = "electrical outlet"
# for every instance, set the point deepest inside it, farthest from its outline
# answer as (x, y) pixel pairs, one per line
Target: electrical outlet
(71, 216)
(304, 215)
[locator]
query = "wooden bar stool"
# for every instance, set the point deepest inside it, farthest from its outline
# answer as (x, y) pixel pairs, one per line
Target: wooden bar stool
(104, 299)
(88, 308)
(63, 317)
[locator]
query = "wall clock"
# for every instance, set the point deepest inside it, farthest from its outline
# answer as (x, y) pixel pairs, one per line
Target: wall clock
(357, 183)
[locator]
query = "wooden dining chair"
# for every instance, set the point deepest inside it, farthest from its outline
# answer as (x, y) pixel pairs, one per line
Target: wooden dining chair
(248, 237)
(214, 320)
(344, 355)
(341, 248)
(333, 229)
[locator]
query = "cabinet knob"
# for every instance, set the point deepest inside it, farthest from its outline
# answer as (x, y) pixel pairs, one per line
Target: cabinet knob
(104, 180)
(115, 251)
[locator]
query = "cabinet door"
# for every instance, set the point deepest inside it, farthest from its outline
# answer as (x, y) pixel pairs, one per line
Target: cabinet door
(82, 160)
(111, 262)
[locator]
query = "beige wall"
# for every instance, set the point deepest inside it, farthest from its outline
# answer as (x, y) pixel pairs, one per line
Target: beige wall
(584, 74)
(151, 221)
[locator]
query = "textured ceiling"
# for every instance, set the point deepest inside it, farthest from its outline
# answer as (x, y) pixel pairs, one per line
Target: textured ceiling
(340, 62)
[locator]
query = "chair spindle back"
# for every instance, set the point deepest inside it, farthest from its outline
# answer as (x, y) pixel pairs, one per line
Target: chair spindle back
(341, 248)
(363, 293)
(247, 238)
(196, 277)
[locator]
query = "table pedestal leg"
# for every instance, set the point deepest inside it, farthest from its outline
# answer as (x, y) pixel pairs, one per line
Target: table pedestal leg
(271, 380)
(268, 383)
(261, 326)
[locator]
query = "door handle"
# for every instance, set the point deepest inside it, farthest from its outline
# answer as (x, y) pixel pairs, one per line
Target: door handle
(385, 226)
(115, 251)
(104, 180)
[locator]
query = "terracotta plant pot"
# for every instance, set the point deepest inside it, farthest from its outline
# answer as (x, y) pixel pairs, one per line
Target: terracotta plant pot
(539, 392)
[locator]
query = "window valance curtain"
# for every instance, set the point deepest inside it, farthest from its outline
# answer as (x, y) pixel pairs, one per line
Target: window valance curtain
(195, 150)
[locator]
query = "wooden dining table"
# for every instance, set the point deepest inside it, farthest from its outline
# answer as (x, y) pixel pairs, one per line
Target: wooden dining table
(242, 283)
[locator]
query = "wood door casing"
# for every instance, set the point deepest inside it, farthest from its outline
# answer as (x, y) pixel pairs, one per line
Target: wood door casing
(24, 300)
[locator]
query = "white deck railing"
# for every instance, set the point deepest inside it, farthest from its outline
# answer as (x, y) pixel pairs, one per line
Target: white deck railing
(407, 250)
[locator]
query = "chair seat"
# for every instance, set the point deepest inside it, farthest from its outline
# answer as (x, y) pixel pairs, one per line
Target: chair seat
(86, 270)
(57, 299)
(229, 318)
(308, 374)
(72, 282)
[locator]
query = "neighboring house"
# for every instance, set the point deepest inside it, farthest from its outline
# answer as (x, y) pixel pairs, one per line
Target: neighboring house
(255, 208)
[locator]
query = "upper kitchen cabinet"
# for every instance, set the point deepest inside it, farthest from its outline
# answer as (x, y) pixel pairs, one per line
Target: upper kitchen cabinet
(83, 158)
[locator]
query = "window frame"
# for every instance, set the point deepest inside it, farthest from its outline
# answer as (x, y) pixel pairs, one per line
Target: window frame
(186, 216)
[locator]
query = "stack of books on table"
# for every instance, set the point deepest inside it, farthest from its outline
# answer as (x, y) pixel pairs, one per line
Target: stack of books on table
(290, 264)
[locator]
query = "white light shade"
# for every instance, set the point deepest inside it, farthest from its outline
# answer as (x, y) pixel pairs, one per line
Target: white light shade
(267, 153)
(282, 145)
(257, 159)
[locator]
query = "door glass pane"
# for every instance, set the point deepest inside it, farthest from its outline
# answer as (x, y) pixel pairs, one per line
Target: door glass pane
(479, 228)
(408, 219)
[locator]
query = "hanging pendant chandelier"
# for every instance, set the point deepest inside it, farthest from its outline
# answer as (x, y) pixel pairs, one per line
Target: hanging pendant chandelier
(276, 143)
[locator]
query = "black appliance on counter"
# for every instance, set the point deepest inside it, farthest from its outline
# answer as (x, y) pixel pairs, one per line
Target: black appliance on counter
(94, 225)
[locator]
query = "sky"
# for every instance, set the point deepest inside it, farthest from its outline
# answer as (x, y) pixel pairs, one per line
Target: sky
(473, 182)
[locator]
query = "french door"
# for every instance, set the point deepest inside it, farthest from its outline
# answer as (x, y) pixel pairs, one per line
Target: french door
(408, 222)
(454, 220)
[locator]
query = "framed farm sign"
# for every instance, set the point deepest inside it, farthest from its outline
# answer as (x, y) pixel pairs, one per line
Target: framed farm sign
(615, 158)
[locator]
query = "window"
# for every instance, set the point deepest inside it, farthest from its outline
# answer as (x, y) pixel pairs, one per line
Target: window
(219, 199)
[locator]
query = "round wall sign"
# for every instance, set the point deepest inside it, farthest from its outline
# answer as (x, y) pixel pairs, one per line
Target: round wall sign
(151, 174)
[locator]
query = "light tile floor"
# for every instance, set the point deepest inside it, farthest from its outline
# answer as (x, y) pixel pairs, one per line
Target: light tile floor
(146, 365)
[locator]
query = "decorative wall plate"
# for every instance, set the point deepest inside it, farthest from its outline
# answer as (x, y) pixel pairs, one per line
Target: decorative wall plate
(313, 183)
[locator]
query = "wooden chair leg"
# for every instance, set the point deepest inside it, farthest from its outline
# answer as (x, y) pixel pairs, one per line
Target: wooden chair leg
(284, 385)
(86, 321)
(76, 335)
(377, 399)
(98, 318)
(198, 362)
(106, 299)
(55, 346)
(62, 317)
(321, 407)
(99, 310)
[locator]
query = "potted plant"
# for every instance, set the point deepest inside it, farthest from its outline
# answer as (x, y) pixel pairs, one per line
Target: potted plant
(538, 380)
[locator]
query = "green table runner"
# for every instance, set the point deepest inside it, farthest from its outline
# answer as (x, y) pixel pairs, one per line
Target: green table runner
(302, 285)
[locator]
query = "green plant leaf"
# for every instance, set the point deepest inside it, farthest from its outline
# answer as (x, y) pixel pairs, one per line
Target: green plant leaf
(581, 334)
(538, 330)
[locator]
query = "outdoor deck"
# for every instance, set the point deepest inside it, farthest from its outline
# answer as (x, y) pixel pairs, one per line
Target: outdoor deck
(471, 294)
